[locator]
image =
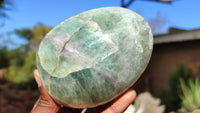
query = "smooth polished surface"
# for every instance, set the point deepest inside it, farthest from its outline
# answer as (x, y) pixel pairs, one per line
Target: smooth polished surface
(93, 57)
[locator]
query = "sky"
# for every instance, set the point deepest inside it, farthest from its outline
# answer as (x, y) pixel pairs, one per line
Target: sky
(182, 14)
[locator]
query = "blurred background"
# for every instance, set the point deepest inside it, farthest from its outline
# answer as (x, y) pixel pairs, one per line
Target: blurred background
(171, 79)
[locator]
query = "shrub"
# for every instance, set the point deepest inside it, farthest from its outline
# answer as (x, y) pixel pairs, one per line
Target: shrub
(24, 73)
(171, 98)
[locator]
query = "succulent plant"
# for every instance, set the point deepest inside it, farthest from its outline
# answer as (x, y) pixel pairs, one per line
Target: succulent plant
(190, 95)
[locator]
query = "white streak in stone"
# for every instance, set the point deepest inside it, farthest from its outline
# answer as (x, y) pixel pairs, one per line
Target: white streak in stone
(106, 39)
(60, 40)
(150, 40)
(138, 46)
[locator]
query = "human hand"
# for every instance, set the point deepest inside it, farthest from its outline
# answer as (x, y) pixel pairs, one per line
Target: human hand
(45, 104)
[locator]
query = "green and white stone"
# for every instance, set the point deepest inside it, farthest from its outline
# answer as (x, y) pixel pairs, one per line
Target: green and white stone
(93, 57)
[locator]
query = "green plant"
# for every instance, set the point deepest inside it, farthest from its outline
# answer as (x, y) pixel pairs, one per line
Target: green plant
(190, 94)
(21, 62)
(171, 97)
(24, 73)
(30, 63)
(4, 60)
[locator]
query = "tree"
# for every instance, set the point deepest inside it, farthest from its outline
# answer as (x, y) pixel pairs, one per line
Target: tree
(4, 6)
(4, 60)
(157, 23)
(23, 59)
(34, 36)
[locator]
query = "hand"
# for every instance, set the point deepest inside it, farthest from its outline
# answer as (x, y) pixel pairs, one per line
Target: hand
(45, 104)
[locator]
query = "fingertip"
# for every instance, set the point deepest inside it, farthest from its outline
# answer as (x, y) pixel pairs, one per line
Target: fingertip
(36, 72)
(130, 94)
(37, 78)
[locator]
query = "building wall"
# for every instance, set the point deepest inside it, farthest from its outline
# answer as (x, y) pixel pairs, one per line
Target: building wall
(165, 58)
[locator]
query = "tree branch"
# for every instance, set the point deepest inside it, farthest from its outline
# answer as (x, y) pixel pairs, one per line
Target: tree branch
(126, 5)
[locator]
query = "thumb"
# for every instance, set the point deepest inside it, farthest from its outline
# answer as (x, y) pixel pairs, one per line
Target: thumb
(45, 104)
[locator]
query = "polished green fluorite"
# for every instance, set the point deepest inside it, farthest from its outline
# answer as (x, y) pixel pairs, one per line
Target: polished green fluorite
(93, 57)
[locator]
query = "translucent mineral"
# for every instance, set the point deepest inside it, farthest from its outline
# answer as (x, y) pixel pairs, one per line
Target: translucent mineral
(93, 57)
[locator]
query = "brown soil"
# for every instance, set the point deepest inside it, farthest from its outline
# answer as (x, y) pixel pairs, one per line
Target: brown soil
(14, 99)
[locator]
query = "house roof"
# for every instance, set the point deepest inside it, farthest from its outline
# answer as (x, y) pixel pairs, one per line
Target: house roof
(178, 37)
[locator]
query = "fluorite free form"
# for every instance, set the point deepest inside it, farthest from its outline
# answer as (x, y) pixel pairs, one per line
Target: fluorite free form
(93, 57)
